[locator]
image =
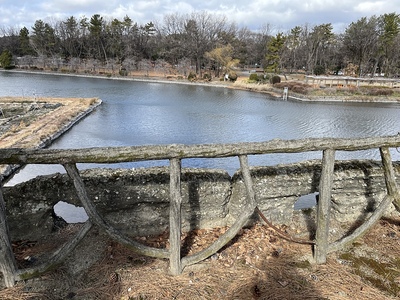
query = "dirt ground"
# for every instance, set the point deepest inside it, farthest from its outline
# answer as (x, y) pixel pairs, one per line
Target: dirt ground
(258, 264)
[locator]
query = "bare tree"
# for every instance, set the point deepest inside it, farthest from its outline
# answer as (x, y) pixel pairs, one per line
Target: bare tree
(9, 40)
(360, 41)
(69, 33)
(317, 42)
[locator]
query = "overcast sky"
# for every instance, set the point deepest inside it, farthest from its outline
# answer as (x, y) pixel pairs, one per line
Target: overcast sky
(253, 14)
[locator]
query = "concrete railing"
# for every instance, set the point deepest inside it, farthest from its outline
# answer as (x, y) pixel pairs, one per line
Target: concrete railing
(175, 154)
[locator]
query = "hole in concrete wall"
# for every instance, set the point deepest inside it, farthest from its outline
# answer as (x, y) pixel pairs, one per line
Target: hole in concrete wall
(70, 213)
(306, 201)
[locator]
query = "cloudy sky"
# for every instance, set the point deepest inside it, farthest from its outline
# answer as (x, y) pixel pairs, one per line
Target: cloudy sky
(254, 14)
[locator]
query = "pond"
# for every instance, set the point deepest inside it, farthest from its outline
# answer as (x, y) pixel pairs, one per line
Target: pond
(148, 113)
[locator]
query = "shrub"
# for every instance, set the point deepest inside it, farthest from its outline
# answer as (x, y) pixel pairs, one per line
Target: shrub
(319, 70)
(300, 89)
(232, 76)
(296, 87)
(263, 77)
(275, 79)
(123, 72)
(192, 76)
(207, 76)
(380, 92)
(253, 77)
(258, 77)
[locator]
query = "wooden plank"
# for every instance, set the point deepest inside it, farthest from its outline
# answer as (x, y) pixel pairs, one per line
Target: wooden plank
(7, 261)
(324, 205)
(175, 217)
(248, 182)
(159, 152)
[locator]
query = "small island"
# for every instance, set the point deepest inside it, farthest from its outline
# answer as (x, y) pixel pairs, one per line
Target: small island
(30, 122)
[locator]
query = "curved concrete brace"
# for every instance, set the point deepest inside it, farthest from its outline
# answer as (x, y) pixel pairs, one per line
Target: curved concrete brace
(57, 256)
(248, 211)
(393, 196)
(95, 217)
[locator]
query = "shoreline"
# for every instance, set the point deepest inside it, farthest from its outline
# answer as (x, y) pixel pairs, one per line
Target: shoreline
(155, 79)
(269, 90)
(7, 171)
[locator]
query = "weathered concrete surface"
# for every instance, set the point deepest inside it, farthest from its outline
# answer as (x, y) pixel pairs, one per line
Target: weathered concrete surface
(358, 187)
(137, 201)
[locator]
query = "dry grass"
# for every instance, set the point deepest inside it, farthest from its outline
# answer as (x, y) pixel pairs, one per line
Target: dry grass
(298, 88)
(31, 128)
(255, 87)
(256, 265)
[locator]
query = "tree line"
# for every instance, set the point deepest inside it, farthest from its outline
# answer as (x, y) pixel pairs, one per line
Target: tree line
(203, 41)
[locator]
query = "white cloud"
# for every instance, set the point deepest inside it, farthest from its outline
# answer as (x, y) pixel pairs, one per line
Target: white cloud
(181, 7)
(282, 14)
(369, 6)
(377, 7)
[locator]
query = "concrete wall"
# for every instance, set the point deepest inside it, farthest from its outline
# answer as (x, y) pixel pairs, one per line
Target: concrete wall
(137, 201)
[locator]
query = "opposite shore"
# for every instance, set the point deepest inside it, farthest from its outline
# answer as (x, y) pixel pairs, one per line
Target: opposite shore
(242, 83)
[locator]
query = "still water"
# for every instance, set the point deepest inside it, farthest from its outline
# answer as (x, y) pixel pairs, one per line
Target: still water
(145, 113)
